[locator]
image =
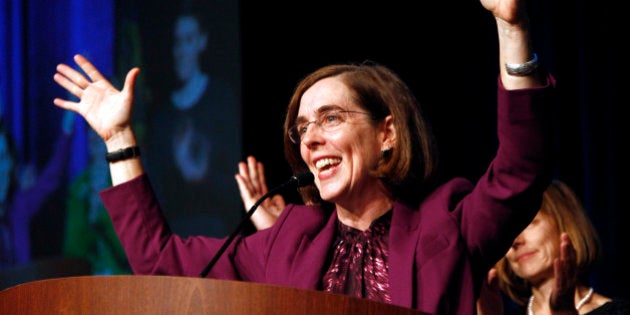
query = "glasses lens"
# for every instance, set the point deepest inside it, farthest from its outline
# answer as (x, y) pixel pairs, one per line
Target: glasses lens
(327, 121)
(294, 135)
(331, 120)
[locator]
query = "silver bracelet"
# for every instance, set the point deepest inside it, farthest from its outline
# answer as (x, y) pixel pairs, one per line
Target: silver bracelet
(522, 69)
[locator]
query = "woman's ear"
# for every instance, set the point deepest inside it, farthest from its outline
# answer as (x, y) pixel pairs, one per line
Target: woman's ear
(389, 134)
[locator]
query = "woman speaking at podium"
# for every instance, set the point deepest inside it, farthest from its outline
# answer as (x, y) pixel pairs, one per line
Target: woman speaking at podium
(375, 223)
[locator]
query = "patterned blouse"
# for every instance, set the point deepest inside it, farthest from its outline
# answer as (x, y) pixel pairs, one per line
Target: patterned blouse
(359, 262)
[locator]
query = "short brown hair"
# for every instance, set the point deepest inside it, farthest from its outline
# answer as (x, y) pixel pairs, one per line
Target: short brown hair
(410, 166)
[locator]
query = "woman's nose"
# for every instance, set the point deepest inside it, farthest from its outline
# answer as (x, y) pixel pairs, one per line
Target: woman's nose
(518, 241)
(311, 135)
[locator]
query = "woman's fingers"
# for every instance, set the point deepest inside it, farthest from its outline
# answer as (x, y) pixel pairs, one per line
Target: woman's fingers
(66, 78)
(65, 104)
(243, 177)
(88, 68)
(253, 173)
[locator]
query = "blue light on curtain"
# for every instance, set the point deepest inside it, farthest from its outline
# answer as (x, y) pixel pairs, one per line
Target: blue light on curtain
(11, 69)
(91, 34)
(35, 36)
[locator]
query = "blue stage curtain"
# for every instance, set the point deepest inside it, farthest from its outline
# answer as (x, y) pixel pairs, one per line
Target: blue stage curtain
(35, 36)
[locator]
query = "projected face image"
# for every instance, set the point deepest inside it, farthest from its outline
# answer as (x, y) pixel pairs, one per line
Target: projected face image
(189, 43)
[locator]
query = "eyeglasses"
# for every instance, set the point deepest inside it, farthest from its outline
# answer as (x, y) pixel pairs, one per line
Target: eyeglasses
(327, 121)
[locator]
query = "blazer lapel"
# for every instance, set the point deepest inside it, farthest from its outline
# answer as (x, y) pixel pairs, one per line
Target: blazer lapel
(402, 244)
(312, 252)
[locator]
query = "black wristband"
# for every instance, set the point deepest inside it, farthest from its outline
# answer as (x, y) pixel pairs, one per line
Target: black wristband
(122, 154)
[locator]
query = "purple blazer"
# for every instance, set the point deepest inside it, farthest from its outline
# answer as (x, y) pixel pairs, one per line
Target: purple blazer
(439, 252)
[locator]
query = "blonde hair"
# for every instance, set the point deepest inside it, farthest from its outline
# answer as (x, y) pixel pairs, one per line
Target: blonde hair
(562, 206)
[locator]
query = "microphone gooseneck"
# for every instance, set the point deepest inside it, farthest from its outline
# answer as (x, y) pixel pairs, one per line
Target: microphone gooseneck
(296, 181)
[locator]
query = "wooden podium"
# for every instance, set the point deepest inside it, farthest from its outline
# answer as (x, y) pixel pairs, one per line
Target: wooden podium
(177, 295)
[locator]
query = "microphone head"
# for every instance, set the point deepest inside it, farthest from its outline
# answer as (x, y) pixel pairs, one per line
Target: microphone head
(303, 179)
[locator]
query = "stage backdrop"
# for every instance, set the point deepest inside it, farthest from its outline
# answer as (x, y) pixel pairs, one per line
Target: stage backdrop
(450, 62)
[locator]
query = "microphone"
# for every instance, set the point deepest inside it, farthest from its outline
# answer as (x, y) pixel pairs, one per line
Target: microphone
(296, 181)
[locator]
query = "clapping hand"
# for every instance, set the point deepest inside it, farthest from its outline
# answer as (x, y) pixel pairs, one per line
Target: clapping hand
(561, 300)
(252, 186)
